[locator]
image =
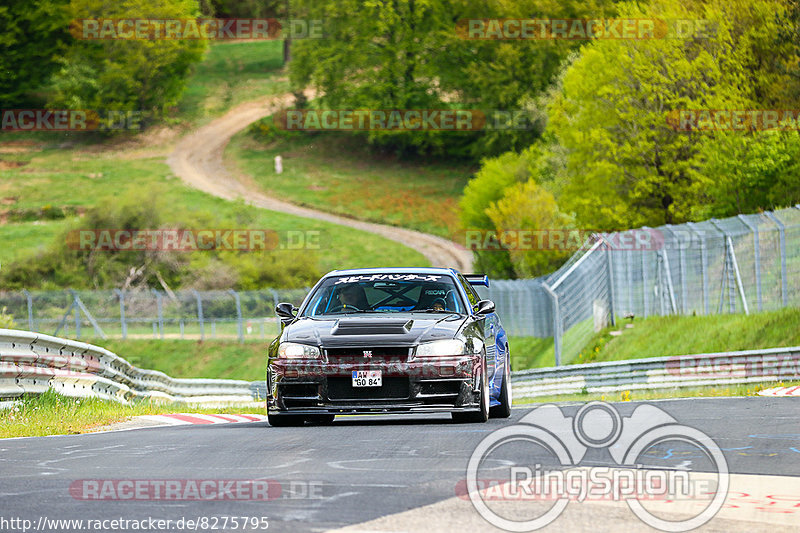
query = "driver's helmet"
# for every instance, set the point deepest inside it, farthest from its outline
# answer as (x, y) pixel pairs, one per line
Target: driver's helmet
(353, 295)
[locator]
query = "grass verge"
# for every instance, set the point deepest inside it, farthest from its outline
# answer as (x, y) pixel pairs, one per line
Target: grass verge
(715, 391)
(196, 359)
(667, 336)
(53, 414)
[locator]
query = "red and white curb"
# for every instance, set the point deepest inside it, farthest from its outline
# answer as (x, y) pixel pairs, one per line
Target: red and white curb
(183, 419)
(780, 391)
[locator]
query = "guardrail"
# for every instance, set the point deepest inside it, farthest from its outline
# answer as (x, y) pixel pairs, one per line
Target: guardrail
(726, 368)
(33, 363)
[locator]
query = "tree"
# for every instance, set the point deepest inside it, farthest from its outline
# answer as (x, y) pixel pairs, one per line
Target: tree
(625, 165)
(35, 33)
(530, 216)
(128, 75)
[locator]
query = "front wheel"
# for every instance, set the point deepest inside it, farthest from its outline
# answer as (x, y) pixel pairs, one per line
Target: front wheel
(504, 409)
(482, 414)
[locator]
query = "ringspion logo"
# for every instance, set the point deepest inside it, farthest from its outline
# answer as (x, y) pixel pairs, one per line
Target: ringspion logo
(648, 476)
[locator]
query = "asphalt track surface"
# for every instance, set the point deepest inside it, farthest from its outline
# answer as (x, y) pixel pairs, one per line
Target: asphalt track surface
(359, 469)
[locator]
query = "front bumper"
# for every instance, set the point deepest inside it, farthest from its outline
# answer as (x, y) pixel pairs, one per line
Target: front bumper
(422, 385)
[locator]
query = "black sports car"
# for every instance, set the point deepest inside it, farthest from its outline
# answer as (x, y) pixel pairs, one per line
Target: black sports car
(389, 340)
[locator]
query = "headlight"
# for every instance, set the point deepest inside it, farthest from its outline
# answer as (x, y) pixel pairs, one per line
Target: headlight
(292, 350)
(441, 348)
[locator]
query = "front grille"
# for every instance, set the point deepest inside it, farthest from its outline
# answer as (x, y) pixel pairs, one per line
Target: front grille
(392, 389)
(379, 352)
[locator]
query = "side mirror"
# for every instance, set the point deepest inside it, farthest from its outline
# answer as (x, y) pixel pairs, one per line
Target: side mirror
(484, 307)
(285, 310)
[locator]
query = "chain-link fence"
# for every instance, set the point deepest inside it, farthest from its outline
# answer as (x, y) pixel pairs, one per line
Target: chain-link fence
(741, 264)
(151, 314)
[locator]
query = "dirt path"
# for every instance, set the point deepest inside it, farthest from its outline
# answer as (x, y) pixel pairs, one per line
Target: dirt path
(198, 161)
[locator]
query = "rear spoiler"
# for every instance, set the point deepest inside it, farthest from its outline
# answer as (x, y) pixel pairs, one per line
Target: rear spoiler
(477, 279)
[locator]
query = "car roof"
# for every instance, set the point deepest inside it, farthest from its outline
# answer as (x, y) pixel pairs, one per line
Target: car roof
(392, 270)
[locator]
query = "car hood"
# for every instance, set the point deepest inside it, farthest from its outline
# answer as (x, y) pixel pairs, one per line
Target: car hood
(395, 329)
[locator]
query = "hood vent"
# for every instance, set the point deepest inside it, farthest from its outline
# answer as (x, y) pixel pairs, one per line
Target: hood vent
(366, 326)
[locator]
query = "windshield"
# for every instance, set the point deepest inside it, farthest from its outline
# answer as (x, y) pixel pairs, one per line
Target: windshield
(385, 293)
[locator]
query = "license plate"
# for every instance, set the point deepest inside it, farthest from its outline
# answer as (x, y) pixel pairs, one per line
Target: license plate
(367, 378)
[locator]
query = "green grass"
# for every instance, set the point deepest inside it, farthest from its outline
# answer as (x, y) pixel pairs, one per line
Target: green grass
(337, 172)
(669, 335)
(232, 73)
(679, 335)
(53, 414)
(62, 177)
(19, 239)
(716, 391)
(195, 359)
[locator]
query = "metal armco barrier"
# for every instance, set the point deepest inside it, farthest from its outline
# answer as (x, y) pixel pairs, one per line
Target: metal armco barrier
(33, 363)
(752, 366)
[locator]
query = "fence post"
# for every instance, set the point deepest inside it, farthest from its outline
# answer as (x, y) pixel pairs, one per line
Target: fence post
(610, 274)
(703, 270)
(238, 314)
(77, 313)
(200, 314)
(645, 288)
(30, 309)
(782, 237)
(556, 324)
(160, 314)
(738, 277)
(122, 322)
(756, 259)
(629, 265)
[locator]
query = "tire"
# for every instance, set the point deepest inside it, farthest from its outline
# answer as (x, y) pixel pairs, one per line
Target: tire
(321, 420)
(481, 415)
(285, 421)
(504, 409)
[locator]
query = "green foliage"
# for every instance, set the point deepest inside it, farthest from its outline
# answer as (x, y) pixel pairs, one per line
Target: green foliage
(626, 167)
(126, 75)
(488, 186)
(7, 319)
(34, 34)
(409, 55)
(529, 207)
(755, 172)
